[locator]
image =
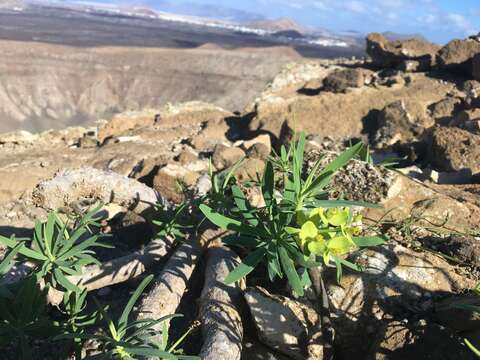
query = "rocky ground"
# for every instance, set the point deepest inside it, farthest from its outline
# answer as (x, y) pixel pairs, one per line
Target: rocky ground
(411, 100)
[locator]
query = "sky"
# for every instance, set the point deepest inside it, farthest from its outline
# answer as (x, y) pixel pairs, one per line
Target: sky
(437, 20)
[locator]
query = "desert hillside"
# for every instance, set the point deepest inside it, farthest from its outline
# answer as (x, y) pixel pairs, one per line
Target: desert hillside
(45, 86)
(400, 215)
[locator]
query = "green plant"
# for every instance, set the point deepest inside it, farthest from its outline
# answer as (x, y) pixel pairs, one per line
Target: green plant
(272, 232)
(168, 221)
(475, 309)
(57, 250)
(218, 196)
(78, 320)
(127, 340)
(23, 316)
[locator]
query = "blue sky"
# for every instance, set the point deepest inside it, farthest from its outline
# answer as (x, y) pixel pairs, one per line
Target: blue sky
(437, 20)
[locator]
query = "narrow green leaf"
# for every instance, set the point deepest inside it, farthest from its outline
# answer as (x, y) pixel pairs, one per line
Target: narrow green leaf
(62, 280)
(239, 240)
(326, 204)
(369, 240)
(289, 269)
(267, 184)
(49, 231)
(7, 261)
(78, 248)
(144, 351)
(32, 254)
(227, 223)
(231, 172)
(242, 204)
(246, 266)
(472, 347)
(128, 308)
(343, 158)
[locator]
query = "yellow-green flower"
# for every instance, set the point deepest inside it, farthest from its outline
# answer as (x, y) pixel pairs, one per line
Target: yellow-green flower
(327, 232)
(308, 232)
(317, 246)
(338, 216)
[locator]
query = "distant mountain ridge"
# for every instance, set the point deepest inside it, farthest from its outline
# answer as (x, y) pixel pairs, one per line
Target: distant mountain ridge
(279, 24)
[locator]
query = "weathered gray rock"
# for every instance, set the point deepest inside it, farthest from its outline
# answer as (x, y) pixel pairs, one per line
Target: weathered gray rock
(70, 189)
(387, 53)
(283, 324)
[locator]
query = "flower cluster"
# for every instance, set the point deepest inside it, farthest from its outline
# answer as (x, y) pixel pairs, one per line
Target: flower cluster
(326, 232)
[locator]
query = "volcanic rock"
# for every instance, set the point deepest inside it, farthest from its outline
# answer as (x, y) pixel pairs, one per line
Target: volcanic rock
(282, 323)
(395, 125)
(341, 80)
(124, 122)
(444, 108)
(453, 149)
(226, 156)
(167, 180)
(385, 53)
(258, 151)
(458, 55)
(395, 281)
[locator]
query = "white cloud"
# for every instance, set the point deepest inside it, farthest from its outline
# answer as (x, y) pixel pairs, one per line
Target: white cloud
(354, 6)
(460, 22)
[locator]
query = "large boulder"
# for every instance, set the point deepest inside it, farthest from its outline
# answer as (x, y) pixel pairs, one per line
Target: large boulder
(387, 53)
(395, 124)
(340, 80)
(396, 281)
(458, 55)
(344, 115)
(453, 149)
(476, 67)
